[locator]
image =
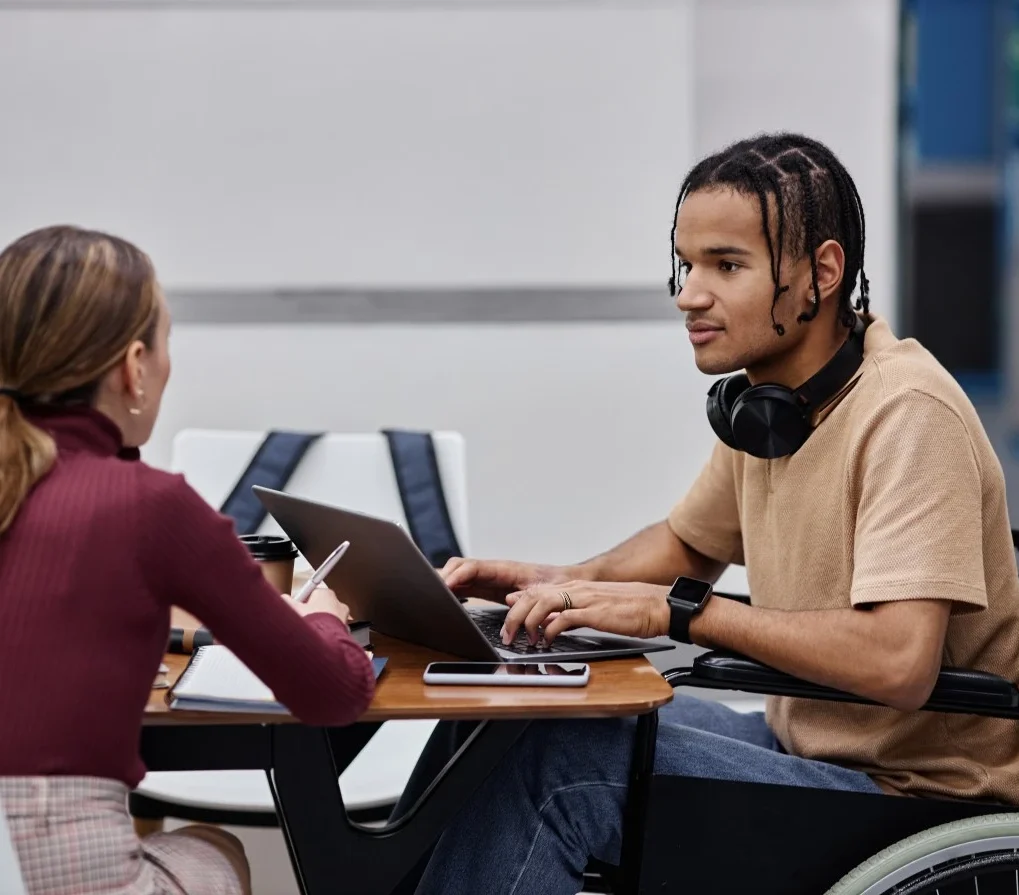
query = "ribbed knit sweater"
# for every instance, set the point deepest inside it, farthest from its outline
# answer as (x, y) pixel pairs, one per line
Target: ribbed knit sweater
(100, 550)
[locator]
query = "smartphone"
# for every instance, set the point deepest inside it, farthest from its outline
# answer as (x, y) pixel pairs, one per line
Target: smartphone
(509, 674)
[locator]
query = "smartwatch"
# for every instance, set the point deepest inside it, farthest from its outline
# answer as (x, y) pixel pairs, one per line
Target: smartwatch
(686, 599)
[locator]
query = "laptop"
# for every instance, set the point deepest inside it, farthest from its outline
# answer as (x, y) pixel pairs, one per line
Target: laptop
(385, 579)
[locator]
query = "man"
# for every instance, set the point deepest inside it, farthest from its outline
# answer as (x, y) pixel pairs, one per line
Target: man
(851, 476)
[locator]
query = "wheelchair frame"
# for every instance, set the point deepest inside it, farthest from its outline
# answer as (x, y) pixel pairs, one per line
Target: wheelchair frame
(782, 840)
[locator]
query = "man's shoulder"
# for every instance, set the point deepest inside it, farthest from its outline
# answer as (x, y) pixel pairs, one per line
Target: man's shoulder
(906, 375)
(905, 399)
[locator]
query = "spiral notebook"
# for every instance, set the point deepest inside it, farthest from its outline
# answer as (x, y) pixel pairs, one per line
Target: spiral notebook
(215, 680)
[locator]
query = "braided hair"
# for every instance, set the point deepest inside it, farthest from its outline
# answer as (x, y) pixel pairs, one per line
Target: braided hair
(815, 200)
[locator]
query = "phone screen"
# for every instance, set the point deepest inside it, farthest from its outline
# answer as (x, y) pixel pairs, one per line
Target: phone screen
(571, 669)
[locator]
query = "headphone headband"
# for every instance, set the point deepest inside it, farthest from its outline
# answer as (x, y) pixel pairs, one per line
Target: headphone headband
(827, 381)
(769, 420)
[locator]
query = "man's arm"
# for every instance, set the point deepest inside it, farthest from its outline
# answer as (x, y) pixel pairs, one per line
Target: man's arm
(655, 555)
(708, 517)
(891, 653)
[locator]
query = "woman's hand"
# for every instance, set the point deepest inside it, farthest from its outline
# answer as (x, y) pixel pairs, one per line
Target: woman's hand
(321, 600)
(629, 609)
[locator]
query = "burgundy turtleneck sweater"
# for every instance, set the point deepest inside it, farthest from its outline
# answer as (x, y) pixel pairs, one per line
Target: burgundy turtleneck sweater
(98, 553)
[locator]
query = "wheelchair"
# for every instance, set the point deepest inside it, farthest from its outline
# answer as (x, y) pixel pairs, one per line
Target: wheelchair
(781, 840)
(770, 839)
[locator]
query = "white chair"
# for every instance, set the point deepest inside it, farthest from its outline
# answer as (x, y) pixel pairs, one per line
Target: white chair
(11, 882)
(353, 471)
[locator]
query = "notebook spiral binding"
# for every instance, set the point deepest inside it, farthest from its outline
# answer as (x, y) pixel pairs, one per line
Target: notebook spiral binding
(185, 674)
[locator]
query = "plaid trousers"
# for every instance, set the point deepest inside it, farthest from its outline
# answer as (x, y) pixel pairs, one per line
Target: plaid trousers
(73, 836)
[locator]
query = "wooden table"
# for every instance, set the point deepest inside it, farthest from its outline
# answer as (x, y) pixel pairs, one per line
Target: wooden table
(617, 688)
(303, 764)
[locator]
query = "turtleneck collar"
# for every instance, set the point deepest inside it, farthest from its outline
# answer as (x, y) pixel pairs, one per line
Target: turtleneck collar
(81, 428)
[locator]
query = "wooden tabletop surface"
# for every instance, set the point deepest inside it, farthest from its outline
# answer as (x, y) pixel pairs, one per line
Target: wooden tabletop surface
(617, 687)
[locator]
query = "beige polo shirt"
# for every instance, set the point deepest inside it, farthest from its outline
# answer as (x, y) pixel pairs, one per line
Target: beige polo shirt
(897, 495)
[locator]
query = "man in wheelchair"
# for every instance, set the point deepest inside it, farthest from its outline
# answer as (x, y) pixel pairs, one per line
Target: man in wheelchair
(854, 480)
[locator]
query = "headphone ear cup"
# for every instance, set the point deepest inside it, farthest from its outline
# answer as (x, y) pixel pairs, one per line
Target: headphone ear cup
(767, 422)
(721, 397)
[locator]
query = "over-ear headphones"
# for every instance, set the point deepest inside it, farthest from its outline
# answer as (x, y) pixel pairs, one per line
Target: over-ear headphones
(769, 420)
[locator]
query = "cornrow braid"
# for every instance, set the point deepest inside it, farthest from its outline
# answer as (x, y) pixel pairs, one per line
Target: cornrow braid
(849, 197)
(810, 235)
(815, 200)
(765, 184)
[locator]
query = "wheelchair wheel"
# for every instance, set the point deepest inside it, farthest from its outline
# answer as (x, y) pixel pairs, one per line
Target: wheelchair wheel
(977, 855)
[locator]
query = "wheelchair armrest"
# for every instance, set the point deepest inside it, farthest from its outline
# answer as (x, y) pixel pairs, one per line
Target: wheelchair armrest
(956, 690)
(739, 598)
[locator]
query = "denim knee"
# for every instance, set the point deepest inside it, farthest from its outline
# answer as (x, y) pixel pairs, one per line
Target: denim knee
(551, 754)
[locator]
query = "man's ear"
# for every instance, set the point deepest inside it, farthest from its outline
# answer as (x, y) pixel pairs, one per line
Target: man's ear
(831, 265)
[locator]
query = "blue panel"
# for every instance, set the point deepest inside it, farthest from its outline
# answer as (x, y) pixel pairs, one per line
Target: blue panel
(955, 89)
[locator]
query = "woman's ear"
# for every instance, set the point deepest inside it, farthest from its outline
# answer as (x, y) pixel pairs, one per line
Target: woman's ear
(831, 265)
(133, 370)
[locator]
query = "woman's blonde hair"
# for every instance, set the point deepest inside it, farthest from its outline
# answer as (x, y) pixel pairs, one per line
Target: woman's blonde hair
(72, 302)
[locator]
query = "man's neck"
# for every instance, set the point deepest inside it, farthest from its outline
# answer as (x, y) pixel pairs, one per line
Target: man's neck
(795, 368)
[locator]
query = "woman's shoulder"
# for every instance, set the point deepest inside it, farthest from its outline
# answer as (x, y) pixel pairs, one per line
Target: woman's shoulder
(170, 511)
(163, 489)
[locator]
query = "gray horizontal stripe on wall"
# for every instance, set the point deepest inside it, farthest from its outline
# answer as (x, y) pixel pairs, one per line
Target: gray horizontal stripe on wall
(372, 5)
(496, 305)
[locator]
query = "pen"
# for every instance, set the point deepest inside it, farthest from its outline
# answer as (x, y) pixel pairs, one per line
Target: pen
(321, 572)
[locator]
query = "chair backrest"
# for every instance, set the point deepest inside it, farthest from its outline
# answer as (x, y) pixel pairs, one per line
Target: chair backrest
(11, 882)
(354, 471)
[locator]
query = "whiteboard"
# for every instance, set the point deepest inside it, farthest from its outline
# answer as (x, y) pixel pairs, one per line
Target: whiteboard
(319, 146)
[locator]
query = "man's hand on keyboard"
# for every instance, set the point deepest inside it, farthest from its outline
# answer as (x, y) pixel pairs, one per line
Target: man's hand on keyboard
(630, 609)
(490, 579)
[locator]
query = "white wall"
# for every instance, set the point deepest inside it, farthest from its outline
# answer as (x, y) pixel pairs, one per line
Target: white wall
(336, 144)
(577, 433)
(826, 68)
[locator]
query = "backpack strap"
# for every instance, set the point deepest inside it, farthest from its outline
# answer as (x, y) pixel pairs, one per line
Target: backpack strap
(422, 496)
(272, 466)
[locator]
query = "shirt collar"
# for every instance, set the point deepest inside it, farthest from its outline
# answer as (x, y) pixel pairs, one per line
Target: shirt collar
(877, 337)
(80, 428)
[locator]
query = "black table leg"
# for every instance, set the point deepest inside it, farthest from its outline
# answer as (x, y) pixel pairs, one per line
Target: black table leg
(330, 852)
(641, 770)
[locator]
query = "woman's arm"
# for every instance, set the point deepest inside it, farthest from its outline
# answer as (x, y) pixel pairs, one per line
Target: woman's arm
(192, 558)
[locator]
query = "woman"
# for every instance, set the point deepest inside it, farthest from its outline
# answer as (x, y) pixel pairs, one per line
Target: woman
(95, 547)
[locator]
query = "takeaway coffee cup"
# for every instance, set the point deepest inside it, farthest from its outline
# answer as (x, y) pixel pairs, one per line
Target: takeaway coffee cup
(276, 555)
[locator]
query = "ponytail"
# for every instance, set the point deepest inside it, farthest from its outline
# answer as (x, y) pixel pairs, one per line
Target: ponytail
(27, 453)
(72, 302)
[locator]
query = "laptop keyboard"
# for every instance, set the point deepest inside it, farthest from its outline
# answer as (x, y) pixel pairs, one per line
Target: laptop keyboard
(490, 624)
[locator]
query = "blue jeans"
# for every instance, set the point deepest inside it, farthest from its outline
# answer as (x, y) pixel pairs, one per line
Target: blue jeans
(557, 799)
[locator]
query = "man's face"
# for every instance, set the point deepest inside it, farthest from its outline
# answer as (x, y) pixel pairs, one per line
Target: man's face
(726, 275)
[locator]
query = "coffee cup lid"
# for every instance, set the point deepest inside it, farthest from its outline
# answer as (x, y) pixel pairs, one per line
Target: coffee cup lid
(269, 548)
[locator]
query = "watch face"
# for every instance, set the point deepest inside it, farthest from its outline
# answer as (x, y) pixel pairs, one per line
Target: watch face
(690, 590)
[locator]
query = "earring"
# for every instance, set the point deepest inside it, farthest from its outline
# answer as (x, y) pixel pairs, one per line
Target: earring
(136, 411)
